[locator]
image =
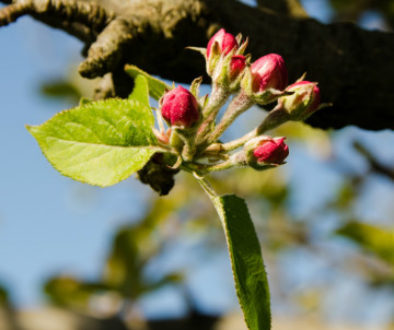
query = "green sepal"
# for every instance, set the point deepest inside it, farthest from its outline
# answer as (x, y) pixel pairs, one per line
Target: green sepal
(195, 87)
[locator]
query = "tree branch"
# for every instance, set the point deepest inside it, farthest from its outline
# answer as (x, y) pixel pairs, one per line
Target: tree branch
(105, 53)
(286, 7)
(83, 19)
(12, 12)
(374, 163)
(349, 63)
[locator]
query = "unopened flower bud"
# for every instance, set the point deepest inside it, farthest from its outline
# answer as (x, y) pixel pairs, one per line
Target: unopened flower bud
(226, 42)
(266, 78)
(304, 100)
(263, 151)
(272, 151)
(237, 65)
(269, 71)
(179, 107)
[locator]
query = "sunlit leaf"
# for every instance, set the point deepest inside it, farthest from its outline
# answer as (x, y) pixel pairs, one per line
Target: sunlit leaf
(156, 86)
(249, 273)
(141, 90)
(100, 143)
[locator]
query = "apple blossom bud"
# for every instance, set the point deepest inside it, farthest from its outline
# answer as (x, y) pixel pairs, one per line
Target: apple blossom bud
(179, 107)
(304, 100)
(226, 42)
(268, 71)
(237, 65)
(264, 150)
(272, 151)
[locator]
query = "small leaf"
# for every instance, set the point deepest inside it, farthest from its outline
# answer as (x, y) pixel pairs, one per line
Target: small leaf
(141, 90)
(156, 87)
(100, 143)
(249, 273)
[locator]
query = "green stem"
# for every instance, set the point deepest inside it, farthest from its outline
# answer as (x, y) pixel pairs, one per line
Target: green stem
(189, 150)
(205, 184)
(232, 145)
(274, 119)
(238, 105)
(219, 167)
(218, 98)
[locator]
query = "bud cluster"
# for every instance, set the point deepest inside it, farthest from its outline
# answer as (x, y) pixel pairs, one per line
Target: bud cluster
(193, 133)
(225, 59)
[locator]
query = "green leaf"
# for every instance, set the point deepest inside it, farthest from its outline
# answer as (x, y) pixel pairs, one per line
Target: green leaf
(100, 143)
(156, 87)
(141, 90)
(371, 238)
(246, 259)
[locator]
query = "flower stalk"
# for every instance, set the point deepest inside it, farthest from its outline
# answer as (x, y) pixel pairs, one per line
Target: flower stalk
(238, 105)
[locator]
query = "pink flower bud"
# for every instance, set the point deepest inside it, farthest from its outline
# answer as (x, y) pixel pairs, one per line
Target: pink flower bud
(271, 151)
(179, 107)
(269, 71)
(237, 65)
(306, 93)
(225, 40)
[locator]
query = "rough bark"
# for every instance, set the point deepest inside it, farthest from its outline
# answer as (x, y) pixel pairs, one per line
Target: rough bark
(287, 7)
(352, 65)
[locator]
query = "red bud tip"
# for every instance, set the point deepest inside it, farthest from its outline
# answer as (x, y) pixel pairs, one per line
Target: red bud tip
(226, 42)
(273, 151)
(179, 107)
(237, 65)
(269, 71)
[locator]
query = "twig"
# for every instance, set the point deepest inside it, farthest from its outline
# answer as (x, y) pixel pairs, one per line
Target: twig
(105, 54)
(375, 165)
(12, 12)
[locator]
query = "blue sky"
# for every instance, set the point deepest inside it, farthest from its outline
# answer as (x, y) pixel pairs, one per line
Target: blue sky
(49, 223)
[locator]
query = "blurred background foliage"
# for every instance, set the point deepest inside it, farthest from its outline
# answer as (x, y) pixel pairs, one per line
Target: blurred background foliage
(353, 10)
(349, 245)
